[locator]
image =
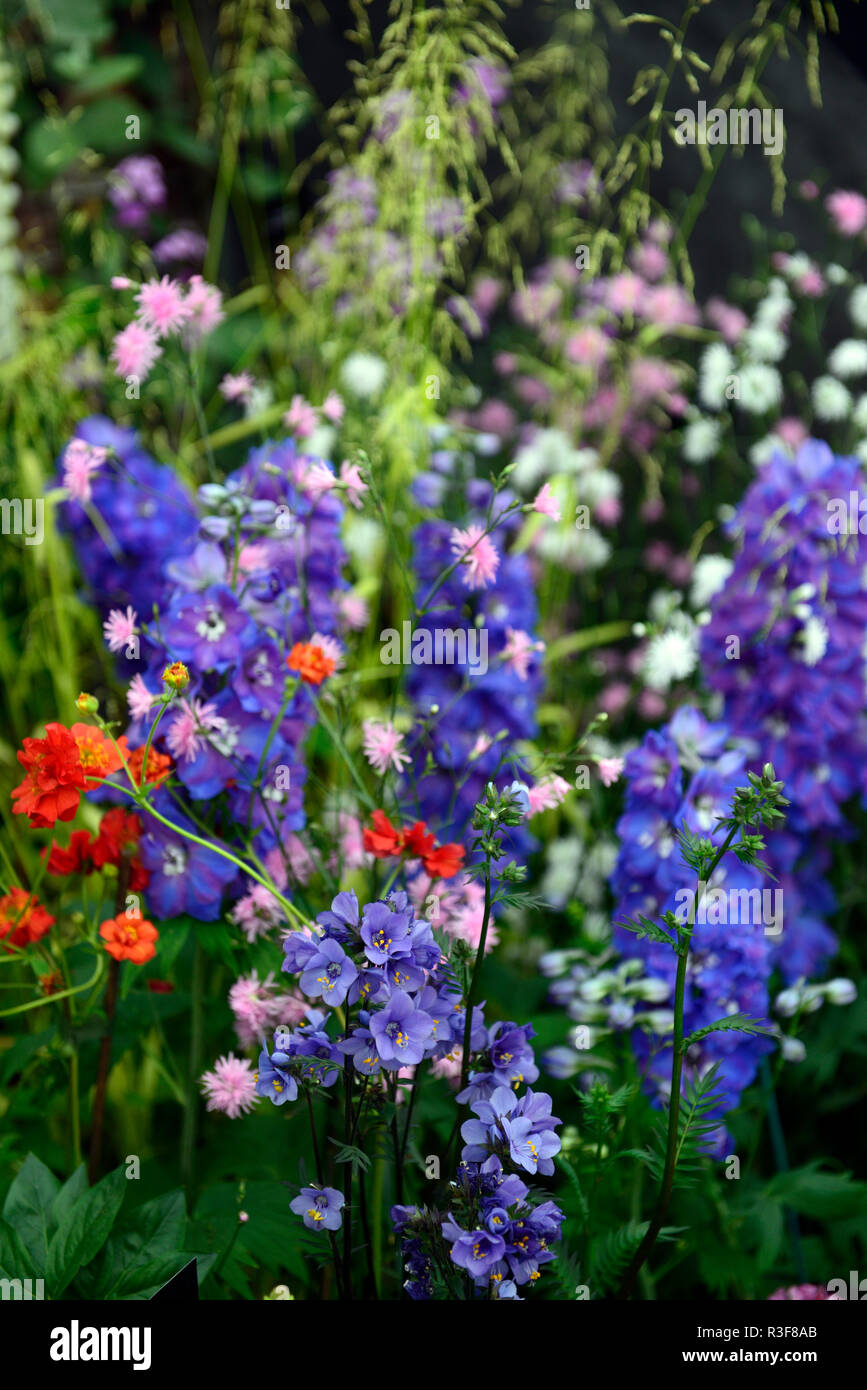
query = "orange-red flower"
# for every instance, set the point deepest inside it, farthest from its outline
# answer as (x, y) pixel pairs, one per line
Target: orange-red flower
(310, 662)
(119, 834)
(176, 676)
(99, 756)
(22, 919)
(159, 765)
(55, 778)
(384, 840)
(75, 859)
(129, 938)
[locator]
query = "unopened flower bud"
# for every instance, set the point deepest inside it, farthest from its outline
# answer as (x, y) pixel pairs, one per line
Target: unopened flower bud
(840, 991)
(87, 704)
(280, 1291)
(176, 676)
(793, 1049)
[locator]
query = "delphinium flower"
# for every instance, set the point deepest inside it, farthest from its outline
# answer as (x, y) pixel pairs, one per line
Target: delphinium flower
(237, 585)
(469, 720)
(686, 774)
(784, 644)
(147, 516)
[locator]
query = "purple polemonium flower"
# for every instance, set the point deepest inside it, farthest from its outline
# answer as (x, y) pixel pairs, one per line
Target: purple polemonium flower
(328, 973)
(273, 1079)
(384, 932)
(475, 1251)
(401, 1031)
(320, 1208)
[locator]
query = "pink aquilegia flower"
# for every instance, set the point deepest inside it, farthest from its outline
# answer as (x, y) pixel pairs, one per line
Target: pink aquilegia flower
(478, 555)
(80, 459)
(237, 388)
(547, 794)
(609, 770)
(383, 746)
(546, 503)
(333, 407)
(350, 477)
(231, 1086)
(161, 306)
(135, 350)
(519, 650)
(119, 627)
(139, 698)
(301, 417)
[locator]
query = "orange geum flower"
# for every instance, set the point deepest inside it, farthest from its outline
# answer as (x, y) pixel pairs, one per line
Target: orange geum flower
(310, 662)
(176, 676)
(22, 919)
(99, 757)
(129, 938)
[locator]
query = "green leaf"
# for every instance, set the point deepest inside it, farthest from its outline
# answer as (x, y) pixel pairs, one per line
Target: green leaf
(74, 1188)
(645, 928)
(16, 1261)
(733, 1023)
(28, 1206)
(84, 1232)
(817, 1193)
(115, 71)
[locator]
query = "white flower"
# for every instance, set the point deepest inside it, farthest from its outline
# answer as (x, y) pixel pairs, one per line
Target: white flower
(663, 605)
(716, 366)
(549, 451)
(598, 485)
(760, 388)
(763, 343)
(840, 991)
(831, 399)
(708, 577)
(563, 861)
(773, 311)
(836, 274)
(701, 440)
(364, 538)
(858, 306)
(797, 265)
(861, 453)
(579, 551)
(849, 358)
(859, 412)
(363, 374)
(670, 656)
(814, 639)
(258, 400)
(793, 1049)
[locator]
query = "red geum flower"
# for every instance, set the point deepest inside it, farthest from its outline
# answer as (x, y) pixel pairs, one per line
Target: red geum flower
(22, 919)
(444, 862)
(129, 938)
(120, 833)
(417, 842)
(310, 662)
(75, 859)
(383, 840)
(55, 778)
